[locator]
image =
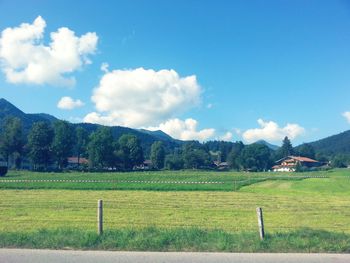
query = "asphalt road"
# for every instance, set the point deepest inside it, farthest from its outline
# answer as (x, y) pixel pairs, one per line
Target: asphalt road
(65, 256)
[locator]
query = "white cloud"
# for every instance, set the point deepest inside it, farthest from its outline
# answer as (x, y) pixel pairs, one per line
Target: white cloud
(67, 103)
(184, 130)
(271, 131)
(226, 137)
(237, 131)
(141, 98)
(26, 59)
(104, 67)
(347, 116)
(209, 106)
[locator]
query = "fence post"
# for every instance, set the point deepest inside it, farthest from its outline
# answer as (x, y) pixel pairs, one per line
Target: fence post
(99, 217)
(260, 222)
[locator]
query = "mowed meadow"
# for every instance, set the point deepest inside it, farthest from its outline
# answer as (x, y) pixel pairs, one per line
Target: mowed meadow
(179, 201)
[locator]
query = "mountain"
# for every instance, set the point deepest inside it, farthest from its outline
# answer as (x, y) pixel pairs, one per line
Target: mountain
(335, 144)
(146, 137)
(9, 110)
(271, 146)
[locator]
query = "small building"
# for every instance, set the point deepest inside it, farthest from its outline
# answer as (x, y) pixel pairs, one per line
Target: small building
(221, 165)
(289, 163)
(146, 165)
(76, 162)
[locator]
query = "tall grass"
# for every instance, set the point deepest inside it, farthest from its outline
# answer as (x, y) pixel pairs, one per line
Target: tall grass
(155, 239)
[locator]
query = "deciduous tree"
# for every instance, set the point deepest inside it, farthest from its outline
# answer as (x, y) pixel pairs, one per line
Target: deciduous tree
(39, 143)
(157, 155)
(62, 142)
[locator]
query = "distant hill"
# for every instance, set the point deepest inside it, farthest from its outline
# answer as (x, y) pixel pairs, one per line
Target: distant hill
(146, 137)
(271, 146)
(9, 110)
(336, 144)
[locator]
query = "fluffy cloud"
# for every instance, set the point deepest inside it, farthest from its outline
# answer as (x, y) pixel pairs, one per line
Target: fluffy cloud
(26, 59)
(347, 115)
(141, 98)
(67, 103)
(226, 137)
(271, 131)
(184, 130)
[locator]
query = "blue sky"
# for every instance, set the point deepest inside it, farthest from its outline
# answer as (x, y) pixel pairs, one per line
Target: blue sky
(235, 70)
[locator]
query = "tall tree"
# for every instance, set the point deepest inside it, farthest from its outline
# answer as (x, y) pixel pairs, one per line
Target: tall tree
(157, 155)
(174, 162)
(233, 157)
(256, 157)
(39, 143)
(62, 142)
(285, 150)
(81, 141)
(195, 155)
(101, 148)
(129, 151)
(12, 141)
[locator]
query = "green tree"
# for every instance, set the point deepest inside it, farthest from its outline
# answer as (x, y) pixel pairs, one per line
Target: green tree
(81, 141)
(306, 150)
(62, 144)
(233, 157)
(157, 155)
(195, 156)
(340, 161)
(39, 143)
(12, 141)
(256, 157)
(285, 150)
(174, 162)
(101, 148)
(129, 151)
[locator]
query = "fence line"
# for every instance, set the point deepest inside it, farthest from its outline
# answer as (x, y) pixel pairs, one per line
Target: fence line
(231, 218)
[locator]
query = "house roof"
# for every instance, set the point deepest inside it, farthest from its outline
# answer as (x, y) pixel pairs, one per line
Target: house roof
(149, 162)
(298, 158)
(75, 160)
(303, 159)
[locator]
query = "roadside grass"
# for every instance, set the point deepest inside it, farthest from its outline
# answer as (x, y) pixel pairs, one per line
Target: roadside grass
(187, 180)
(193, 239)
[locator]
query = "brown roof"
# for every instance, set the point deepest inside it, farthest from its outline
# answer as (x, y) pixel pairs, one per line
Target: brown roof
(303, 159)
(74, 160)
(297, 158)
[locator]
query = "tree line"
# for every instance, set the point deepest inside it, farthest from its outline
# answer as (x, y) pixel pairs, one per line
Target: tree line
(48, 146)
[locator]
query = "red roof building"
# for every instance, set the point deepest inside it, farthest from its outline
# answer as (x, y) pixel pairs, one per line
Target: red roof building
(289, 163)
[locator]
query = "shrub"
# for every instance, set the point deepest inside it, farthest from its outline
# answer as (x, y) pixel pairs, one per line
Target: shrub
(3, 170)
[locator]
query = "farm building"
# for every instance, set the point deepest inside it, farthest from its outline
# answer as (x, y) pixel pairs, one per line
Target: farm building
(289, 163)
(221, 165)
(75, 161)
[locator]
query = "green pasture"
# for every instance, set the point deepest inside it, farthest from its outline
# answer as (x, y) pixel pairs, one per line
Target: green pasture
(149, 180)
(315, 203)
(299, 211)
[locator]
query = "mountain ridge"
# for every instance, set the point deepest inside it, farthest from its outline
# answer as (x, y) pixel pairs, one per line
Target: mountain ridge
(331, 145)
(147, 138)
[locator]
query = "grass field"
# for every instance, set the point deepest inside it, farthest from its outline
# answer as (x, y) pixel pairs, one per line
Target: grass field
(161, 181)
(317, 207)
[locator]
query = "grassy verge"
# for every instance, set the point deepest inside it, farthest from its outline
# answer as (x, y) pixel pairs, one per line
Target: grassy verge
(155, 239)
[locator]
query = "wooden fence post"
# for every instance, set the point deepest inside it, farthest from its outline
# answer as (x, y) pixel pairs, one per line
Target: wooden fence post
(99, 217)
(260, 223)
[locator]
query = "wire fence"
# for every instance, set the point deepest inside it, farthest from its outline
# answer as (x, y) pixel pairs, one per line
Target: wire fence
(233, 215)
